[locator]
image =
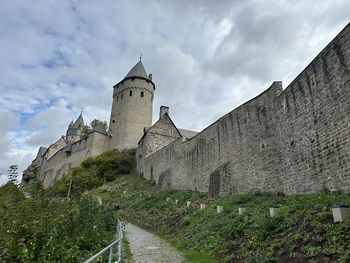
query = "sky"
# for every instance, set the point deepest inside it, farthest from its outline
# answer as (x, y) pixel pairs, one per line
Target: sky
(207, 57)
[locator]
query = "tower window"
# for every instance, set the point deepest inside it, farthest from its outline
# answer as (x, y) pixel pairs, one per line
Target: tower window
(130, 93)
(142, 94)
(121, 96)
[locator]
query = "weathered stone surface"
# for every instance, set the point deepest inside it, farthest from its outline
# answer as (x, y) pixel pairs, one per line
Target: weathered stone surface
(295, 140)
(340, 214)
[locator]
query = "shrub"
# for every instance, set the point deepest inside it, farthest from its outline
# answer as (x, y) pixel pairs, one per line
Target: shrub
(94, 171)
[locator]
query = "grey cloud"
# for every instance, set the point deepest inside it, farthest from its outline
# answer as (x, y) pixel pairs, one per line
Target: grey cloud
(207, 57)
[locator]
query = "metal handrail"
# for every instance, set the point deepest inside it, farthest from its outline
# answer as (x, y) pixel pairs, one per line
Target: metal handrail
(116, 243)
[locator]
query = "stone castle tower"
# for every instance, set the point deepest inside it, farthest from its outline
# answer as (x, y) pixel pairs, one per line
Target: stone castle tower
(131, 108)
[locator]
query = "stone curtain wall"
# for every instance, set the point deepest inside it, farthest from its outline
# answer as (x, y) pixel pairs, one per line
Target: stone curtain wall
(291, 141)
(233, 149)
(59, 164)
(313, 123)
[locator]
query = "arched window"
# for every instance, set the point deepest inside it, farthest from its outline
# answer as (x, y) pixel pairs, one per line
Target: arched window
(142, 94)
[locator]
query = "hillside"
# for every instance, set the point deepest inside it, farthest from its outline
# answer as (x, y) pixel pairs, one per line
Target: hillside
(49, 228)
(303, 232)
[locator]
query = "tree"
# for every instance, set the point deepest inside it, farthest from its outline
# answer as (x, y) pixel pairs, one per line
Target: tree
(13, 173)
(96, 121)
(87, 129)
(85, 132)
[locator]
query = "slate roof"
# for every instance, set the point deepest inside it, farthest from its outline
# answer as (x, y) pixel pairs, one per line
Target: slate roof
(137, 71)
(99, 127)
(187, 133)
(74, 128)
(79, 122)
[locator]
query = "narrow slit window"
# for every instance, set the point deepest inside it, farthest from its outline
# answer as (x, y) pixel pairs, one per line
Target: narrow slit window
(130, 93)
(121, 96)
(142, 94)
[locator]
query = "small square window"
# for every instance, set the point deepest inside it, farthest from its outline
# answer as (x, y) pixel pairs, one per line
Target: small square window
(130, 93)
(142, 94)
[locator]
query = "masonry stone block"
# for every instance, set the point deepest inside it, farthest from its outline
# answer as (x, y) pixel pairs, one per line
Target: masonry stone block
(219, 209)
(340, 213)
(274, 211)
(241, 210)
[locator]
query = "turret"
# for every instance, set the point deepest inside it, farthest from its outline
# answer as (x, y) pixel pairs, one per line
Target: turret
(131, 108)
(74, 130)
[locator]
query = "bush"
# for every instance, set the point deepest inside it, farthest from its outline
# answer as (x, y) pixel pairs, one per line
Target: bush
(49, 229)
(94, 171)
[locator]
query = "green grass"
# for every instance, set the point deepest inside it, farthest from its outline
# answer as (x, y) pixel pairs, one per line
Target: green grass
(304, 231)
(127, 257)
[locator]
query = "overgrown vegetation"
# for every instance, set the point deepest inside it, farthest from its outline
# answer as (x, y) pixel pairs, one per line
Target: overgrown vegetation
(95, 171)
(303, 232)
(50, 228)
(88, 128)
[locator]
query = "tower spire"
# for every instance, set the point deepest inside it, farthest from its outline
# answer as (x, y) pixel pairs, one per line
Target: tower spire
(140, 56)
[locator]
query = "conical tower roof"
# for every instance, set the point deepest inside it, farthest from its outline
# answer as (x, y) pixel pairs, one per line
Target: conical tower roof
(79, 122)
(137, 71)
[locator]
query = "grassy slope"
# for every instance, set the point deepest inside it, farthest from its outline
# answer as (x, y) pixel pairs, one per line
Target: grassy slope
(304, 232)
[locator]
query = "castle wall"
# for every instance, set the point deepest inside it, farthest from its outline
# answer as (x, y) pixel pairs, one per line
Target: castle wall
(55, 147)
(58, 165)
(313, 123)
(233, 154)
(295, 141)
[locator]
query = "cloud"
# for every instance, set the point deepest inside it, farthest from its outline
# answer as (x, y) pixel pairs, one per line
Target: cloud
(207, 57)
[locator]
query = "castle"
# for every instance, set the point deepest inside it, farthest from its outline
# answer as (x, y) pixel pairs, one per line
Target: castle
(131, 112)
(295, 140)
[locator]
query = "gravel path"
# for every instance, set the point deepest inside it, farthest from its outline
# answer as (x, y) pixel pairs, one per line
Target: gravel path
(148, 248)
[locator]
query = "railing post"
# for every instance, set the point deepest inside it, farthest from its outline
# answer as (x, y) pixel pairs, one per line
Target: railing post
(110, 255)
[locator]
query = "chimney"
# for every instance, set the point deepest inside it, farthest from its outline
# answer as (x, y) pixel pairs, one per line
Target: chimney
(163, 110)
(150, 76)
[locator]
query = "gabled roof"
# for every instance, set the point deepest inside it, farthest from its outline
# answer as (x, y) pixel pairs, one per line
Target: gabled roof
(166, 116)
(137, 71)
